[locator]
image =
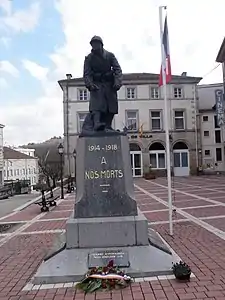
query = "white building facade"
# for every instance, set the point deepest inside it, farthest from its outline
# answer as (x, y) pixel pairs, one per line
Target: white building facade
(1, 156)
(27, 151)
(212, 135)
(19, 166)
(141, 111)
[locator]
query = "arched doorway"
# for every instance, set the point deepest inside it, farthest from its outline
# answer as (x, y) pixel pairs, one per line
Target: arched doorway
(136, 160)
(181, 159)
(157, 156)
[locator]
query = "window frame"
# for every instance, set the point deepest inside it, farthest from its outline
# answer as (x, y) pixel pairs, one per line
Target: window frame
(209, 152)
(151, 95)
(79, 128)
(184, 119)
(135, 92)
(79, 90)
(206, 136)
(156, 118)
(204, 120)
(157, 152)
(137, 119)
(182, 92)
(216, 154)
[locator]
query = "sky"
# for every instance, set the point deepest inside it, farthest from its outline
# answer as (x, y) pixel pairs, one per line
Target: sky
(43, 40)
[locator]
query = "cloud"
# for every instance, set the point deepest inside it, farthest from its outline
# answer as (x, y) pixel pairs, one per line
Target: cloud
(6, 6)
(22, 20)
(3, 83)
(193, 45)
(7, 67)
(128, 29)
(5, 41)
(35, 69)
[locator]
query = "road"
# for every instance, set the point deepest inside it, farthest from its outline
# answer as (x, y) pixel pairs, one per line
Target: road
(8, 205)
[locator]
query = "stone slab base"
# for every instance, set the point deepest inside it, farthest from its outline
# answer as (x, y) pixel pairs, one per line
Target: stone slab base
(107, 232)
(71, 264)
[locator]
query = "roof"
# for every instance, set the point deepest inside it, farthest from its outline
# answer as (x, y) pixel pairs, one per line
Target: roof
(141, 78)
(200, 86)
(13, 154)
(2, 126)
(221, 54)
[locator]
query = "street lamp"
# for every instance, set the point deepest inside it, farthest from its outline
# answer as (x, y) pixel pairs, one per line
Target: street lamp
(61, 150)
(74, 156)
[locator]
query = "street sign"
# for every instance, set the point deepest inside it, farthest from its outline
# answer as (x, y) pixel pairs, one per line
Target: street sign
(220, 107)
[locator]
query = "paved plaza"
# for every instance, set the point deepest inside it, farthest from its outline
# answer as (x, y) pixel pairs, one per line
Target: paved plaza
(199, 240)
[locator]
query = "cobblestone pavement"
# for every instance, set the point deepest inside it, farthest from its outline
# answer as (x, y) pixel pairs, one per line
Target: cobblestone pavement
(199, 239)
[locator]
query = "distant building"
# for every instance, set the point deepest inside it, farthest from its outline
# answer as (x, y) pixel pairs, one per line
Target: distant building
(20, 166)
(27, 151)
(141, 111)
(1, 156)
(212, 134)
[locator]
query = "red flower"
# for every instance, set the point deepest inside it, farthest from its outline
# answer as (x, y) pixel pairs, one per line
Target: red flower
(105, 269)
(110, 264)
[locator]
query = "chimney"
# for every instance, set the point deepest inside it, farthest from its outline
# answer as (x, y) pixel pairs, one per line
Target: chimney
(68, 76)
(184, 74)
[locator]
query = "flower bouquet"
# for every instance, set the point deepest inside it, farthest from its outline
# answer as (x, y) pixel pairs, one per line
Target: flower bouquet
(104, 278)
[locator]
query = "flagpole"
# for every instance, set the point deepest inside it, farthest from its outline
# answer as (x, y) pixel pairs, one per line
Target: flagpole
(166, 123)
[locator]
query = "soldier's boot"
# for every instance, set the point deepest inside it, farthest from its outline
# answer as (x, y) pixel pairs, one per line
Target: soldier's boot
(98, 125)
(108, 121)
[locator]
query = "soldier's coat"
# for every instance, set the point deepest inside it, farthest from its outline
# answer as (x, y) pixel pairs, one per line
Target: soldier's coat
(105, 98)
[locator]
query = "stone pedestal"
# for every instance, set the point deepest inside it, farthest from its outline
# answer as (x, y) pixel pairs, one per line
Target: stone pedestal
(104, 178)
(107, 232)
(106, 222)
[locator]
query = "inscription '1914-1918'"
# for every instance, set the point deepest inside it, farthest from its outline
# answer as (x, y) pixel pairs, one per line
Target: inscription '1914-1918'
(103, 174)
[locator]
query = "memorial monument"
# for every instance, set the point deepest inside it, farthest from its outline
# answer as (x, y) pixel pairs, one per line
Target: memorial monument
(106, 223)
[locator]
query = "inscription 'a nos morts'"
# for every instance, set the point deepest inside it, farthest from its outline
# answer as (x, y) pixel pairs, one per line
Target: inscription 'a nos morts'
(102, 178)
(103, 174)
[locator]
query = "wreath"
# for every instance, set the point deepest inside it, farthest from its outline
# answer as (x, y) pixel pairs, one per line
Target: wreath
(104, 278)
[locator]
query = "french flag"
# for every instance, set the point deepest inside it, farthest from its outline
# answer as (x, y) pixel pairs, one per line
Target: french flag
(166, 65)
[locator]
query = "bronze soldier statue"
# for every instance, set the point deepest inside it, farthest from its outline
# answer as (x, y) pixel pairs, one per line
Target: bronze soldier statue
(103, 78)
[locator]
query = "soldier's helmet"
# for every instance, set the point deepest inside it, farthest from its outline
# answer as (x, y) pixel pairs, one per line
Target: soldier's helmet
(96, 38)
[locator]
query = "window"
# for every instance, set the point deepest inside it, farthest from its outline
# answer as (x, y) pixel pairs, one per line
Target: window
(207, 152)
(205, 118)
(11, 172)
(218, 154)
(154, 92)
(132, 120)
(82, 94)
(18, 172)
(81, 118)
(14, 172)
(179, 119)
(156, 120)
(217, 136)
(23, 171)
(216, 122)
(206, 133)
(157, 159)
(131, 93)
(177, 92)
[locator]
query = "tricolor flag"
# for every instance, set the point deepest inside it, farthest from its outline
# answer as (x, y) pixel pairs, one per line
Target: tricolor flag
(166, 65)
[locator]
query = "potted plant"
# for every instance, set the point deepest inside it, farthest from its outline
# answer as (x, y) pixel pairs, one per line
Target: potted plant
(149, 173)
(181, 271)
